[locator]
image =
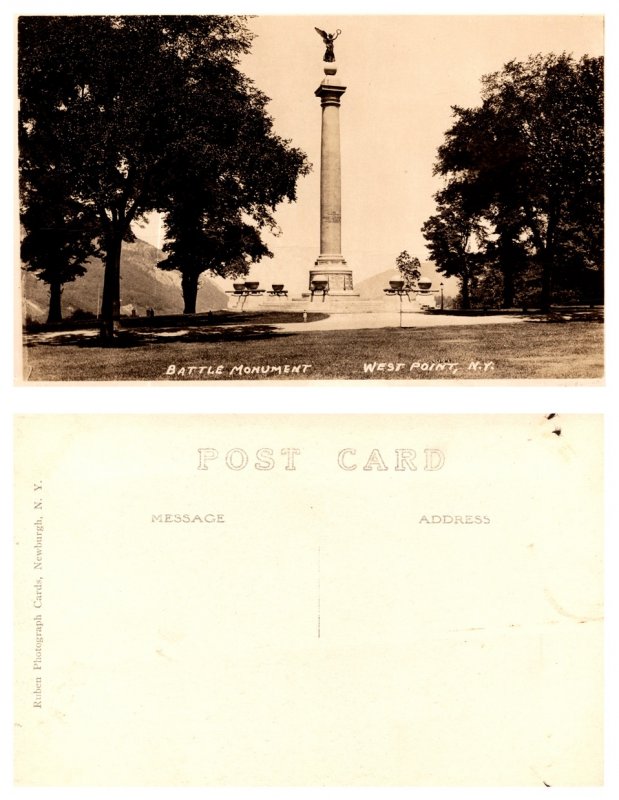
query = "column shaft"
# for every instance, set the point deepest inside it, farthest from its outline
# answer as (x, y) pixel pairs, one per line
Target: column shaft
(330, 182)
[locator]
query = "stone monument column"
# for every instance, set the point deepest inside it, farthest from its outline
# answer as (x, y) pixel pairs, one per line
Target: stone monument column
(330, 264)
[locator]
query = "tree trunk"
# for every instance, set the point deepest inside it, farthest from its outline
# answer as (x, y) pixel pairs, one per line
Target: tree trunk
(55, 308)
(464, 292)
(508, 285)
(546, 297)
(110, 301)
(548, 262)
(189, 284)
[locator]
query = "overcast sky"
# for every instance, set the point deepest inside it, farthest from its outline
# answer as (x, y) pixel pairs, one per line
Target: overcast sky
(403, 74)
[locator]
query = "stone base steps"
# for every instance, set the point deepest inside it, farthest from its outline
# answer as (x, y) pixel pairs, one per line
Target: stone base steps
(328, 305)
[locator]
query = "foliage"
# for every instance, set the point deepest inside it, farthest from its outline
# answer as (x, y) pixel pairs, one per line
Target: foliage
(213, 222)
(58, 238)
(526, 168)
(124, 110)
(80, 314)
(453, 235)
(409, 268)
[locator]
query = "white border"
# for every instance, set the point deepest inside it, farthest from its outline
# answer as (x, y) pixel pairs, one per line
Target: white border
(286, 399)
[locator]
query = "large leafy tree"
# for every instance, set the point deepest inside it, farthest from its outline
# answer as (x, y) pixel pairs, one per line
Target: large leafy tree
(529, 160)
(213, 216)
(58, 239)
(199, 242)
(124, 109)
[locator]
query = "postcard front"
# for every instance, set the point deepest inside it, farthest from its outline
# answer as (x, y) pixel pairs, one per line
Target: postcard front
(308, 601)
(404, 200)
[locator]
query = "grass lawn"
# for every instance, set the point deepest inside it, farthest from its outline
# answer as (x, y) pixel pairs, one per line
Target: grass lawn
(257, 351)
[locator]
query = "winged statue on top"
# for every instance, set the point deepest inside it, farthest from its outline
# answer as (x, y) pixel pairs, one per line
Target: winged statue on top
(328, 39)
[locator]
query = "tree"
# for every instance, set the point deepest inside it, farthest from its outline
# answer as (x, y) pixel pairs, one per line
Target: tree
(409, 268)
(213, 221)
(453, 236)
(529, 161)
(58, 241)
(122, 110)
(197, 244)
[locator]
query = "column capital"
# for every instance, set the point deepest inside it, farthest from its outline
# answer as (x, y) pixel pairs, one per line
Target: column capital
(329, 93)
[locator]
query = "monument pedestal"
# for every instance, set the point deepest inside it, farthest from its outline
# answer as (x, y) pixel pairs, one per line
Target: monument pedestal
(336, 276)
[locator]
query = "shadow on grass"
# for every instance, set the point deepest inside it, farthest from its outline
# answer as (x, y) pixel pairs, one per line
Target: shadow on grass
(144, 338)
(557, 314)
(565, 316)
(210, 319)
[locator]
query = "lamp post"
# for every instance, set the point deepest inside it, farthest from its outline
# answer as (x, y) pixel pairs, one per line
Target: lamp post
(441, 295)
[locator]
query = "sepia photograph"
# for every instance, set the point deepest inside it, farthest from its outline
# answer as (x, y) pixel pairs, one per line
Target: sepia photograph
(310, 198)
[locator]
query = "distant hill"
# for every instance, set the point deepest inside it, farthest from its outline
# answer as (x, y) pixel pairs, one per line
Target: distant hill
(142, 285)
(373, 287)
